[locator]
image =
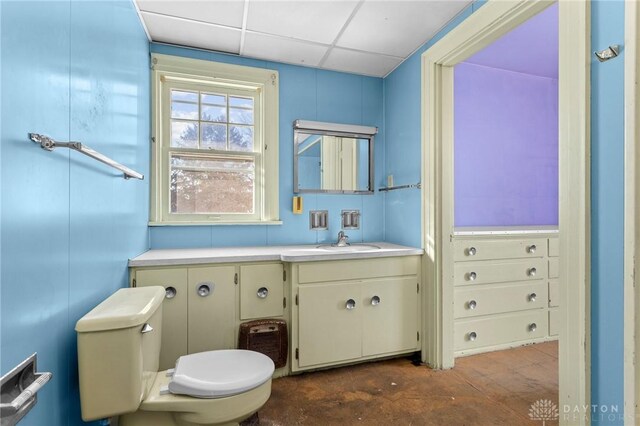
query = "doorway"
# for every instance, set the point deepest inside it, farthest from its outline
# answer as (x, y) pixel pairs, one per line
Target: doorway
(492, 21)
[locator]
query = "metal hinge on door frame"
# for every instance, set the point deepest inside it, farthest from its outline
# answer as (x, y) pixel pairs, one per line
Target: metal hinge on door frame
(284, 303)
(417, 287)
(235, 279)
(297, 301)
(297, 354)
(418, 336)
(133, 284)
(284, 275)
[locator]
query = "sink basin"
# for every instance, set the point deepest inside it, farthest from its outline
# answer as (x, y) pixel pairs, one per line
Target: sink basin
(349, 248)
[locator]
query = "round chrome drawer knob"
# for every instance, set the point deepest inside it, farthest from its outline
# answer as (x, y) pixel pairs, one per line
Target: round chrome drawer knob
(532, 248)
(471, 251)
(375, 300)
(351, 304)
(170, 292)
(204, 290)
(472, 336)
(532, 297)
(532, 272)
(263, 292)
(472, 304)
(533, 326)
(472, 276)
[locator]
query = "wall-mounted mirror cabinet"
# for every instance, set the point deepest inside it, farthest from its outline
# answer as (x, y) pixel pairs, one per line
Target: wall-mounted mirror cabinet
(332, 158)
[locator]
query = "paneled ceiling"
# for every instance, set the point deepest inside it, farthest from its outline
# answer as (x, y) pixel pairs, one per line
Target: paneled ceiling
(370, 37)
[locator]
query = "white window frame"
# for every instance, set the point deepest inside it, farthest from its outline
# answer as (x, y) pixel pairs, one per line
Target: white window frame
(194, 74)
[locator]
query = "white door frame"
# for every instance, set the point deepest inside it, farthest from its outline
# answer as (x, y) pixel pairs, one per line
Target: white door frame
(631, 210)
(480, 29)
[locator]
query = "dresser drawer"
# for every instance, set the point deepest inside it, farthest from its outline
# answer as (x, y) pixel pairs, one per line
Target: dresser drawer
(554, 247)
(554, 293)
(467, 273)
(554, 322)
(474, 249)
(472, 301)
(554, 268)
(343, 270)
(261, 291)
(501, 329)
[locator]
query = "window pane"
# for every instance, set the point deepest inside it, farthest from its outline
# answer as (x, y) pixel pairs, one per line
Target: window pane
(214, 113)
(241, 138)
(184, 134)
(184, 110)
(211, 185)
(214, 136)
(179, 95)
(208, 98)
(241, 102)
(240, 116)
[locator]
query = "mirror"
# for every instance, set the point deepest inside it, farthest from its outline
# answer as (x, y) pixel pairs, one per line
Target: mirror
(333, 158)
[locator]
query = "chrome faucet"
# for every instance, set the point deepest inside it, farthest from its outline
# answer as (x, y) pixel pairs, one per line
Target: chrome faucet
(343, 240)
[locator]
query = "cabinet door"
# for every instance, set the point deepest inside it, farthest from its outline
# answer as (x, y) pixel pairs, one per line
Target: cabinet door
(328, 331)
(390, 315)
(261, 291)
(212, 301)
(174, 311)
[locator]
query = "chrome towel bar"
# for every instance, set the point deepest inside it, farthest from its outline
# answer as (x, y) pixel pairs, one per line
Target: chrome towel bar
(393, 188)
(49, 144)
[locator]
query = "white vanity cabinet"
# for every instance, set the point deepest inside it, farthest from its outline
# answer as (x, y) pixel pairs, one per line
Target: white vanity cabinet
(205, 304)
(351, 310)
(505, 290)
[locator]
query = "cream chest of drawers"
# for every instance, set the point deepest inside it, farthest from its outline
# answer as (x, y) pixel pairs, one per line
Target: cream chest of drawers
(505, 290)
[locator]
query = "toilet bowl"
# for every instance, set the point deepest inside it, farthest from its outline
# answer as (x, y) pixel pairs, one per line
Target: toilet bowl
(118, 357)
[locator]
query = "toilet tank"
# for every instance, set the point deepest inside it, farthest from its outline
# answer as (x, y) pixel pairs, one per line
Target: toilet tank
(119, 351)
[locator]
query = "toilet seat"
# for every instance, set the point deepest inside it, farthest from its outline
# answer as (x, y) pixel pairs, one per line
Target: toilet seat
(217, 374)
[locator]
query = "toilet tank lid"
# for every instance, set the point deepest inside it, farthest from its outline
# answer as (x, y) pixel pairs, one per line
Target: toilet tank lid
(127, 307)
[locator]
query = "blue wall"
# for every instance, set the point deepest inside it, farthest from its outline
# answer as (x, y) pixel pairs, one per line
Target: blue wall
(310, 94)
(72, 70)
(402, 125)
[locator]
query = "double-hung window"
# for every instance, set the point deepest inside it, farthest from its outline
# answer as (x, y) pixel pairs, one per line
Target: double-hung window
(215, 143)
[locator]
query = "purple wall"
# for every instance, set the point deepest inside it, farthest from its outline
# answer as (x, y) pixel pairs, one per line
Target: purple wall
(506, 147)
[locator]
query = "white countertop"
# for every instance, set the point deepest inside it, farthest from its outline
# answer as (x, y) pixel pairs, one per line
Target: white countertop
(301, 253)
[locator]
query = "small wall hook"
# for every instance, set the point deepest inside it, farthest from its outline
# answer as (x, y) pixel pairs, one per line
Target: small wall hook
(608, 53)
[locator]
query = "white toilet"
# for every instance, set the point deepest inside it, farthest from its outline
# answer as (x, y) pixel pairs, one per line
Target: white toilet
(118, 354)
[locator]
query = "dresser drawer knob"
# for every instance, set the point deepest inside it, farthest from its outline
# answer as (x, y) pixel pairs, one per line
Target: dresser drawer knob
(471, 304)
(533, 326)
(263, 292)
(532, 297)
(532, 272)
(351, 304)
(532, 249)
(375, 300)
(472, 276)
(471, 251)
(472, 336)
(170, 292)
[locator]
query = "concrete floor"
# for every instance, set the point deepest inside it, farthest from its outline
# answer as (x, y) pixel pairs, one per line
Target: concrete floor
(495, 388)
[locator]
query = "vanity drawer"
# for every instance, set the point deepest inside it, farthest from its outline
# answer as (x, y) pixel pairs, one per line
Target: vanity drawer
(472, 301)
(474, 249)
(554, 247)
(467, 273)
(261, 291)
(554, 322)
(343, 270)
(554, 268)
(554, 293)
(502, 329)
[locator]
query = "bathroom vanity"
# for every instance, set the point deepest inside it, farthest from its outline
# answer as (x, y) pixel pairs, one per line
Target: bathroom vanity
(342, 305)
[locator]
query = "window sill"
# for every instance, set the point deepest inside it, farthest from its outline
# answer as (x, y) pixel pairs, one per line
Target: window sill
(216, 223)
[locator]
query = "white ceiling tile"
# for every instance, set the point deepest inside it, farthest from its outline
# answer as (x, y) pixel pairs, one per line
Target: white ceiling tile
(221, 12)
(318, 21)
(360, 62)
(398, 27)
(191, 33)
(281, 49)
